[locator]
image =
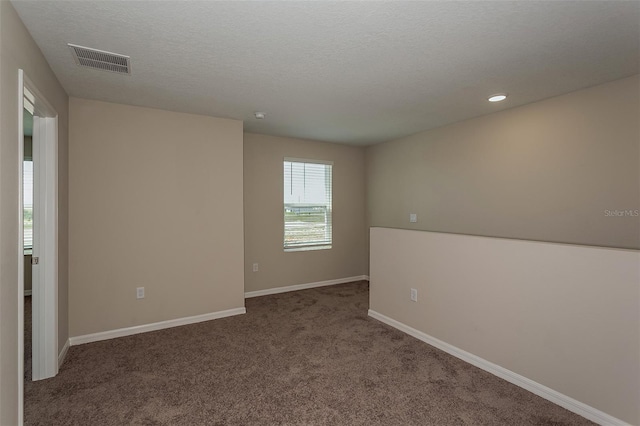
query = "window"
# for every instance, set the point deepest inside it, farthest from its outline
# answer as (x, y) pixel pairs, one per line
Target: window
(28, 205)
(307, 205)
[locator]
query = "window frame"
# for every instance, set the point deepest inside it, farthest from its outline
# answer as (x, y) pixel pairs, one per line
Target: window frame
(308, 246)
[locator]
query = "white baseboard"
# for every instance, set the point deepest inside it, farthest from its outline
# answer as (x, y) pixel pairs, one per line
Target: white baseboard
(128, 331)
(549, 394)
(63, 352)
(27, 293)
(297, 287)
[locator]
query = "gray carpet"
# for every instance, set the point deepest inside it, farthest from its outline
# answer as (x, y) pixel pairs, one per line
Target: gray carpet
(311, 357)
(27, 338)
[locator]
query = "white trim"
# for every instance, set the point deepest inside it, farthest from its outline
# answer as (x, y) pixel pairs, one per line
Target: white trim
(128, 331)
(45, 302)
(27, 293)
(307, 160)
(297, 287)
(49, 238)
(307, 248)
(20, 248)
(63, 353)
(549, 394)
(45, 231)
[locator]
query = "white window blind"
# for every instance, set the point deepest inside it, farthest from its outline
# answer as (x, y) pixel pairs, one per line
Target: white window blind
(307, 205)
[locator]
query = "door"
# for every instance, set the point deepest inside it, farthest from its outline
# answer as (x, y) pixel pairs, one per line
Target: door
(45, 237)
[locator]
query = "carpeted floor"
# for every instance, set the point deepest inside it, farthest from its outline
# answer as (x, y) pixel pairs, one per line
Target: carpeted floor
(310, 357)
(27, 339)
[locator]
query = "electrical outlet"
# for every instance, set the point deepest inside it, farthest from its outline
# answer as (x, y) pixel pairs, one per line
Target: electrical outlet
(414, 295)
(140, 293)
(413, 217)
(255, 267)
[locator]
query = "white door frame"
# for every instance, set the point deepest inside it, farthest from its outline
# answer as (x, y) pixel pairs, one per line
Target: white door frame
(45, 237)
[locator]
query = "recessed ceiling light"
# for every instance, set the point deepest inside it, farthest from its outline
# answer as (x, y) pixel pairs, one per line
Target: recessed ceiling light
(260, 115)
(497, 97)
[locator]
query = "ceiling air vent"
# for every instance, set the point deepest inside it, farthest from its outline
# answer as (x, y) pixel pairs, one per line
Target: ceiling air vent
(100, 60)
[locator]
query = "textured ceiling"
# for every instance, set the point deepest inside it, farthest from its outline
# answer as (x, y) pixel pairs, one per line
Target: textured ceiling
(349, 72)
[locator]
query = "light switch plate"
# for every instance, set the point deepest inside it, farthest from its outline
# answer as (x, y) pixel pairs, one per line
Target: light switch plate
(413, 217)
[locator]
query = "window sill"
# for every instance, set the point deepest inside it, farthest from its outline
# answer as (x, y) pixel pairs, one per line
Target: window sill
(308, 248)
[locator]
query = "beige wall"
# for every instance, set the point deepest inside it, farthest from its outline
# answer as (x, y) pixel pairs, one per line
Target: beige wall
(263, 221)
(545, 171)
(565, 316)
(19, 51)
(155, 202)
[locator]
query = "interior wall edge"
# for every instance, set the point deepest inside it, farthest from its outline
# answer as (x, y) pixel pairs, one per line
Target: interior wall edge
(497, 237)
(564, 316)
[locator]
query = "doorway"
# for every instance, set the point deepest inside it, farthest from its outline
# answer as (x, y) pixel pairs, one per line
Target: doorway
(27, 217)
(44, 235)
